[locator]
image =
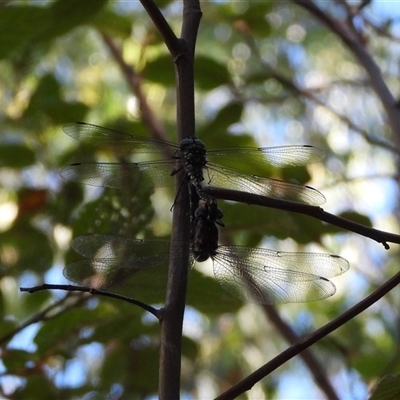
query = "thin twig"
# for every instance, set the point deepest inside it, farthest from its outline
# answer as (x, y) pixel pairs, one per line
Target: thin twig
(70, 288)
(308, 94)
(312, 211)
(39, 317)
(365, 59)
(173, 44)
(134, 81)
(301, 345)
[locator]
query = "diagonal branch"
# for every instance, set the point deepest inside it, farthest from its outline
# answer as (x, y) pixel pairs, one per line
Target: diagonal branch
(305, 343)
(316, 369)
(134, 81)
(43, 315)
(308, 94)
(365, 59)
(312, 211)
(173, 44)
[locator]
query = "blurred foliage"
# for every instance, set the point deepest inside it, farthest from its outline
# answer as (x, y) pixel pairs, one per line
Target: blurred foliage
(259, 66)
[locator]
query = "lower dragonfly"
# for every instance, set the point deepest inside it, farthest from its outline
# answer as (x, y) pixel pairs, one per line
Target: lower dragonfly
(199, 165)
(130, 266)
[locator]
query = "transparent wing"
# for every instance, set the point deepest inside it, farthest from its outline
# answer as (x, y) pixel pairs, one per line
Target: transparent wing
(119, 265)
(115, 140)
(107, 246)
(269, 277)
(118, 175)
(145, 276)
(229, 178)
(281, 156)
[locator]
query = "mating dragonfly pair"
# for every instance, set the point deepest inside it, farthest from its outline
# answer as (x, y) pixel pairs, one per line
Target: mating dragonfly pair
(253, 274)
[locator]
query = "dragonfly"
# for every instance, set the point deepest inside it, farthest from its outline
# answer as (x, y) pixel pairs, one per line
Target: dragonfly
(201, 166)
(130, 266)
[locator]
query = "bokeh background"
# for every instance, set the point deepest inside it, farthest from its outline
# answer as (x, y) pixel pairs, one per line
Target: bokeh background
(267, 74)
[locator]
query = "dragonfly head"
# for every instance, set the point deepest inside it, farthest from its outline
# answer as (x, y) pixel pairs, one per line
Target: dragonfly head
(191, 142)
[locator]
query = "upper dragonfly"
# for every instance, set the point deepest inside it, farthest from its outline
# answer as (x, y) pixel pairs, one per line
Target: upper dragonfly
(198, 164)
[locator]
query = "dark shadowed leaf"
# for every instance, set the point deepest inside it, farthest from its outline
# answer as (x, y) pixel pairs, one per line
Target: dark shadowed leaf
(113, 24)
(29, 247)
(16, 360)
(210, 74)
(38, 387)
(63, 332)
(18, 25)
(16, 156)
(206, 295)
(352, 216)
(227, 116)
(65, 15)
(47, 101)
(388, 388)
(160, 70)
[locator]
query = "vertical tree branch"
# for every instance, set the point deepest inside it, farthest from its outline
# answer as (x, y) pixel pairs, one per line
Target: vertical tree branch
(182, 52)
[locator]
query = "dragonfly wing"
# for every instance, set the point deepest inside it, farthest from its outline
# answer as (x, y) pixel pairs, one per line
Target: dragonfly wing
(256, 276)
(107, 246)
(119, 175)
(321, 264)
(117, 141)
(281, 156)
(120, 265)
(119, 276)
(229, 178)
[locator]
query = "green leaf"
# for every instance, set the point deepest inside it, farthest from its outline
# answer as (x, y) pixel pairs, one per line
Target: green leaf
(160, 70)
(206, 295)
(18, 24)
(32, 302)
(126, 325)
(252, 223)
(210, 74)
(299, 175)
(37, 387)
(62, 112)
(388, 388)
(66, 15)
(112, 23)
(15, 360)
(352, 216)
(134, 366)
(357, 217)
(16, 156)
(255, 18)
(218, 127)
(30, 248)
(62, 332)
(6, 324)
(22, 25)
(190, 348)
(47, 101)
